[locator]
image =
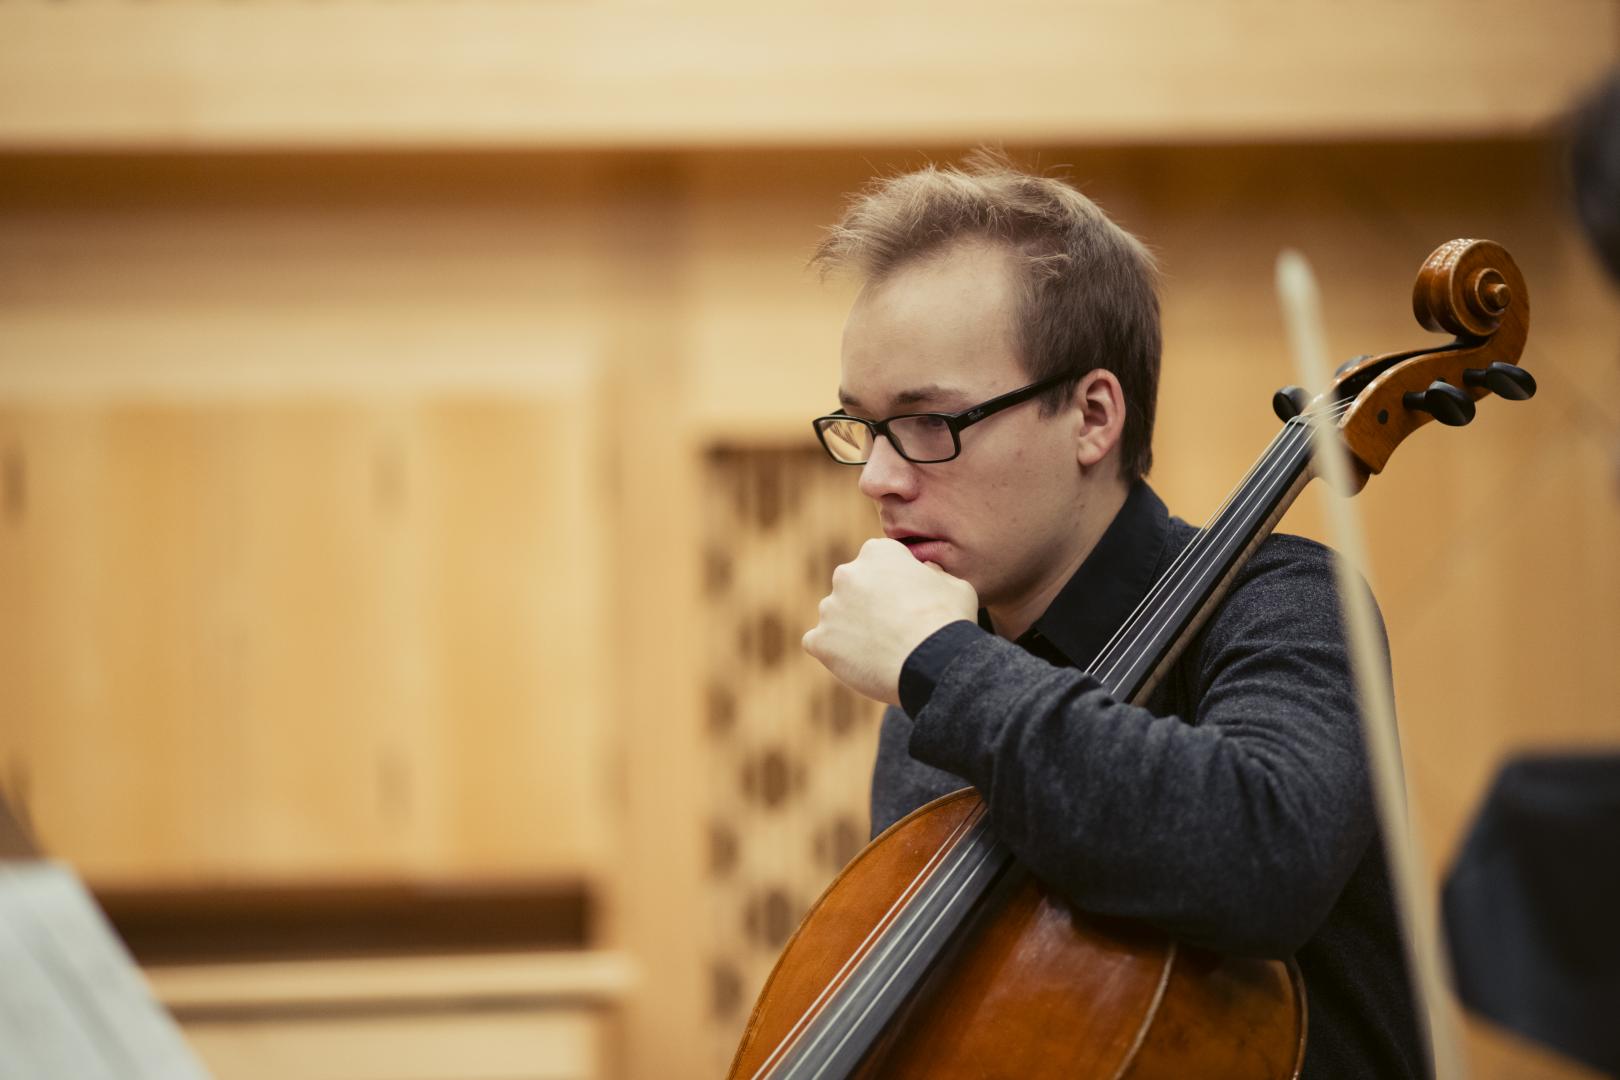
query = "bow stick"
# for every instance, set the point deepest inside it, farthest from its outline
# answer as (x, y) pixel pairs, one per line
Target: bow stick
(1301, 305)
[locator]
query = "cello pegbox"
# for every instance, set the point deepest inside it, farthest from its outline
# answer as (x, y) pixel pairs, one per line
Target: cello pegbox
(1471, 289)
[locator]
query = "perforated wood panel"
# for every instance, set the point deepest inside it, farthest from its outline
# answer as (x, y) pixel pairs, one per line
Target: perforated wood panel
(790, 748)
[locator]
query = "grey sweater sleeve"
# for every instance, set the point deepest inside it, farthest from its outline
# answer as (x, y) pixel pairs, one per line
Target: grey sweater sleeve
(1235, 828)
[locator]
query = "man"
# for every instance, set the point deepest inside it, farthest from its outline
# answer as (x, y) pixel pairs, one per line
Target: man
(1235, 812)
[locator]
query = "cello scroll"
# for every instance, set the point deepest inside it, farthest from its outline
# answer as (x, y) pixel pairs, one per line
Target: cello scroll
(1470, 288)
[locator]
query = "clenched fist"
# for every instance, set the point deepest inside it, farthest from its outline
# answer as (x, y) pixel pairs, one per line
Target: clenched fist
(882, 606)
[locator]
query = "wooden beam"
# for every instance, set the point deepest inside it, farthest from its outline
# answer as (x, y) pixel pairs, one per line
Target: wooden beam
(595, 979)
(191, 74)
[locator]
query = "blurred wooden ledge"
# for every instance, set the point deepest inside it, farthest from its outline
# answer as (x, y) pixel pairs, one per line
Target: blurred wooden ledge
(194, 924)
(583, 979)
(501, 1016)
(199, 74)
(545, 370)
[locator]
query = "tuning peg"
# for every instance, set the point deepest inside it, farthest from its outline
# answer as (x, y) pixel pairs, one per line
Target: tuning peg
(1504, 380)
(1442, 401)
(1289, 402)
(1350, 363)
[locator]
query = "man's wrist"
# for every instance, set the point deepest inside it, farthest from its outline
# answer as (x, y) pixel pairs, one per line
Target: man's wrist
(926, 664)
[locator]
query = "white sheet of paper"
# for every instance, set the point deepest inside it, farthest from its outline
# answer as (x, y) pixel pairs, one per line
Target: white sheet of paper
(73, 1005)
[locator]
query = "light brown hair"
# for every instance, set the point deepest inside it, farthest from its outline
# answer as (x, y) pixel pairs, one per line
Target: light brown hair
(1088, 291)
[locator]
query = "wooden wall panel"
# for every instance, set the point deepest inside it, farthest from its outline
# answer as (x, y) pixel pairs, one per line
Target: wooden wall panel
(523, 636)
(295, 641)
(656, 906)
(224, 277)
(259, 273)
(764, 326)
(484, 1016)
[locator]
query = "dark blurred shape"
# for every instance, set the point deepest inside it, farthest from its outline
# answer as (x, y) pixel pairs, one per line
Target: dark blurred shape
(1594, 156)
(284, 922)
(16, 838)
(1532, 906)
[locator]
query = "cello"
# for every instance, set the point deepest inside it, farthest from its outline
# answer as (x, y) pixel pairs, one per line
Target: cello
(934, 953)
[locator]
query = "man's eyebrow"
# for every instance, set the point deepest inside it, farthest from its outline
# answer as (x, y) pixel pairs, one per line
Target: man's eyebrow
(904, 398)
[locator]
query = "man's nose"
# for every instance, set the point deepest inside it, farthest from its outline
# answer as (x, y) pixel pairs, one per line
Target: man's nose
(887, 473)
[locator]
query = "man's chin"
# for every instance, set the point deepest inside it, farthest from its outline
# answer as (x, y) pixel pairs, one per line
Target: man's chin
(955, 562)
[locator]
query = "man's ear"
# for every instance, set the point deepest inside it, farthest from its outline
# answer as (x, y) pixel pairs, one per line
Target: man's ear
(1100, 403)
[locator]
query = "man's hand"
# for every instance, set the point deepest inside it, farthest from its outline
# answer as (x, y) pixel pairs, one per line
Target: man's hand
(882, 606)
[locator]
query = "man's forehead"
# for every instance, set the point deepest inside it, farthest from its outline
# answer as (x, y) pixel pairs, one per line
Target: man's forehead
(935, 335)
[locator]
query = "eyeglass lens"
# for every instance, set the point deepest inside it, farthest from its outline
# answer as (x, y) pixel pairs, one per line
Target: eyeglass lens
(919, 438)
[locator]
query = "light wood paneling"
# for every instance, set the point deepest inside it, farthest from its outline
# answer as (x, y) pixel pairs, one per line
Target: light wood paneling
(201, 280)
(495, 1044)
(566, 978)
(199, 73)
(308, 640)
(655, 909)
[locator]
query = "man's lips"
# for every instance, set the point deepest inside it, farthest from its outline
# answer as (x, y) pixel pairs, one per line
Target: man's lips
(923, 548)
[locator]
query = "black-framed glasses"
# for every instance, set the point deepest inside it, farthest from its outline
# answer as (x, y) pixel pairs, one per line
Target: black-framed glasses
(921, 438)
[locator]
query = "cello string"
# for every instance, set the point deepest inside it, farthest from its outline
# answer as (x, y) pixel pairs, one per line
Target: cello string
(1194, 548)
(1198, 555)
(1214, 555)
(890, 966)
(1213, 551)
(1127, 626)
(861, 952)
(878, 960)
(1213, 541)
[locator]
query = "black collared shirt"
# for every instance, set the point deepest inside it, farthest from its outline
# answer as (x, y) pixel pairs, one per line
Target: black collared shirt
(1234, 812)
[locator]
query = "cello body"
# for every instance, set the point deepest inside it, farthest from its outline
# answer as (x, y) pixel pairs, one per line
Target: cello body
(1094, 997)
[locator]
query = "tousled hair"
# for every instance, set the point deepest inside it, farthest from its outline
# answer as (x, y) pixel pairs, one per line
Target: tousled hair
(1087, 296)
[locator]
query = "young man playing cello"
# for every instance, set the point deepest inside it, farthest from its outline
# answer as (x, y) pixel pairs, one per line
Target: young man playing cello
(999, 372)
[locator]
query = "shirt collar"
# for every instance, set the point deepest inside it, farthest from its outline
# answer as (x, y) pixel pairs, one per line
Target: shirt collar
(1109, 584)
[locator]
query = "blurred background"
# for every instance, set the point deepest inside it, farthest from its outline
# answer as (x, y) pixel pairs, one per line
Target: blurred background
(409, 511)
